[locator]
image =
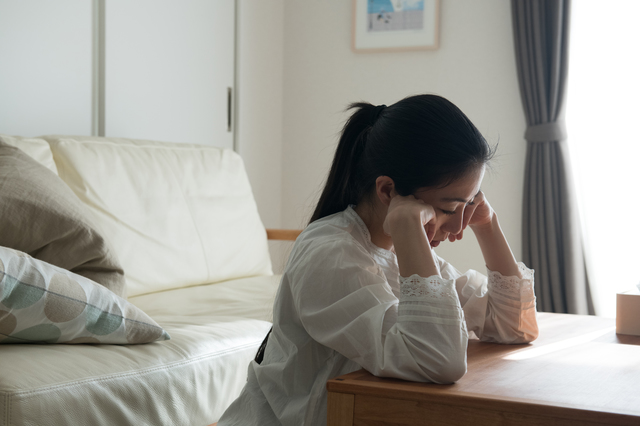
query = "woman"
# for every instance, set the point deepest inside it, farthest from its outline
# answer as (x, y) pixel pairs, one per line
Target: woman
(363, 287)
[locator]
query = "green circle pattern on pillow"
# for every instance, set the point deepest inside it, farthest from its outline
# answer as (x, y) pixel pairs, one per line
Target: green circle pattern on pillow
(100, 322)
(16, 294)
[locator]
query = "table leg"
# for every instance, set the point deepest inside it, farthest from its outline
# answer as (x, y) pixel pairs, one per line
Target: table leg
(340, 409)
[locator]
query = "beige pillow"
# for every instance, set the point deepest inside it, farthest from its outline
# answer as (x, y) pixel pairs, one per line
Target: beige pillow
(41, 216)
(41, 303)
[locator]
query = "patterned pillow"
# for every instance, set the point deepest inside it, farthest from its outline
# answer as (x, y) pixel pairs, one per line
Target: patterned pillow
(43, 303)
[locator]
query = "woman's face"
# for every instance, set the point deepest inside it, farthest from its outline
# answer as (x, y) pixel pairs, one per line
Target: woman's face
(450, 201)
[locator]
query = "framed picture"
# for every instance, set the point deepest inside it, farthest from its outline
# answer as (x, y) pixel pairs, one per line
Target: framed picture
(392, 25)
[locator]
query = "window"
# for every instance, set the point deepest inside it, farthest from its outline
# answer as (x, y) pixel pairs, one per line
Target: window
(603, 113)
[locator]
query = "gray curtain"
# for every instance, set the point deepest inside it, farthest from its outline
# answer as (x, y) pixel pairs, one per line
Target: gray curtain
(551, 231)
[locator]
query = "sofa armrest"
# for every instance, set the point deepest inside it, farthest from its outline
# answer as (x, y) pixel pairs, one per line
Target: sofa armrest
(283, 234)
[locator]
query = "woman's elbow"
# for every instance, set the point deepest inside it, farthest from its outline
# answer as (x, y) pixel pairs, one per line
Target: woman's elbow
(526, 333)
(449, 363)
(511, 333)
(448, 369)
(448, 373)
(437, 368)
(527, 336)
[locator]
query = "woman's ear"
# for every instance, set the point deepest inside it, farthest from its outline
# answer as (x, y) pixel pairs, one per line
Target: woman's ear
(385, 189)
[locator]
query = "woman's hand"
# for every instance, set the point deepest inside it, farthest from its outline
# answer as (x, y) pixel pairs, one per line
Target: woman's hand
(409, 211)
(476, 215)
(479, 213)
(411, 224)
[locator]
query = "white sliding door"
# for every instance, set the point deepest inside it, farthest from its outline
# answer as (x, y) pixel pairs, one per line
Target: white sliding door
(168, 68)
(45, 67)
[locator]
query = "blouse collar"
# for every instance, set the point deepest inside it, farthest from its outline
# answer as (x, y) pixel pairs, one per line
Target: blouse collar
(355, 217)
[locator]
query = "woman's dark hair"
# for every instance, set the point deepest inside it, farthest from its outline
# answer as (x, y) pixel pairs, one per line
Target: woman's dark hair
(420, 141)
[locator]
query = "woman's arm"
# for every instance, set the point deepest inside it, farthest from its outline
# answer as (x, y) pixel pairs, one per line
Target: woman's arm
(497, 308)
(483, 221)
(345, 303)
(501, 308)
(407, 222)
(495, 248)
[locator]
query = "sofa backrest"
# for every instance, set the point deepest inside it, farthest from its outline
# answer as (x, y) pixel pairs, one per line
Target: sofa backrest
(36, 148)
(177, 215)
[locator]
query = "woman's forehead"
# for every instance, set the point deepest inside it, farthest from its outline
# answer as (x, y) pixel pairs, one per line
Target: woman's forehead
(460, 190)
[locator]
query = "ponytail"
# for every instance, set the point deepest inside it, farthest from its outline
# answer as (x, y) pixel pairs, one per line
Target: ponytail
(420, 141)
(342, 187)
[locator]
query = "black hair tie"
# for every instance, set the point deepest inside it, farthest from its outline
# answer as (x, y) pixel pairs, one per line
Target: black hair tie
(375, 113)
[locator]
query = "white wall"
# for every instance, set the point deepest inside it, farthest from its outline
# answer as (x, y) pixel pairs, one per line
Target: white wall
(259, 85)
(474, 68)
(259, 101)
(45, 72)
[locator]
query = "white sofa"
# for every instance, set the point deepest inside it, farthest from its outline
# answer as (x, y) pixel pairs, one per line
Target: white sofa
(184, 224)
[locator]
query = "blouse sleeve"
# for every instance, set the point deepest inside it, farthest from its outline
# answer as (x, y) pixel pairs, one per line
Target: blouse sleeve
(496, 308)
(344, 302)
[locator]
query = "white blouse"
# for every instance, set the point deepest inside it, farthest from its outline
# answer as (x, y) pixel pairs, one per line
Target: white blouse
(342, 306)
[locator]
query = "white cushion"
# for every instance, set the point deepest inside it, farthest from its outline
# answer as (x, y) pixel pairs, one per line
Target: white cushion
(177, 215)
(36, 148)
(188, 380)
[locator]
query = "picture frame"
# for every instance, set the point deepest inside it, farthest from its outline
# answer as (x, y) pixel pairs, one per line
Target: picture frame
(395, 25)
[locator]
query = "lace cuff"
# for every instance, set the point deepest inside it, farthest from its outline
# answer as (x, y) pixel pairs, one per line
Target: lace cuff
(432, 289)
(520, 289)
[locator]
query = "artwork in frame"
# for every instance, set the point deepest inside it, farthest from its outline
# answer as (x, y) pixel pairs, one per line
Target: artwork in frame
(392, 25)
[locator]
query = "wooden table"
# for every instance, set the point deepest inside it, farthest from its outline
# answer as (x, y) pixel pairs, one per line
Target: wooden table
(579, 372)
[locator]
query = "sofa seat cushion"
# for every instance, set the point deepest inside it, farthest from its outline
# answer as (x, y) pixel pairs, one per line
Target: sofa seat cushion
(178, 215)
(191, 379)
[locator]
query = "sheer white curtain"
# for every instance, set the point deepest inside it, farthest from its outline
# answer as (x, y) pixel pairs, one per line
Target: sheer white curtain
(603, 121)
